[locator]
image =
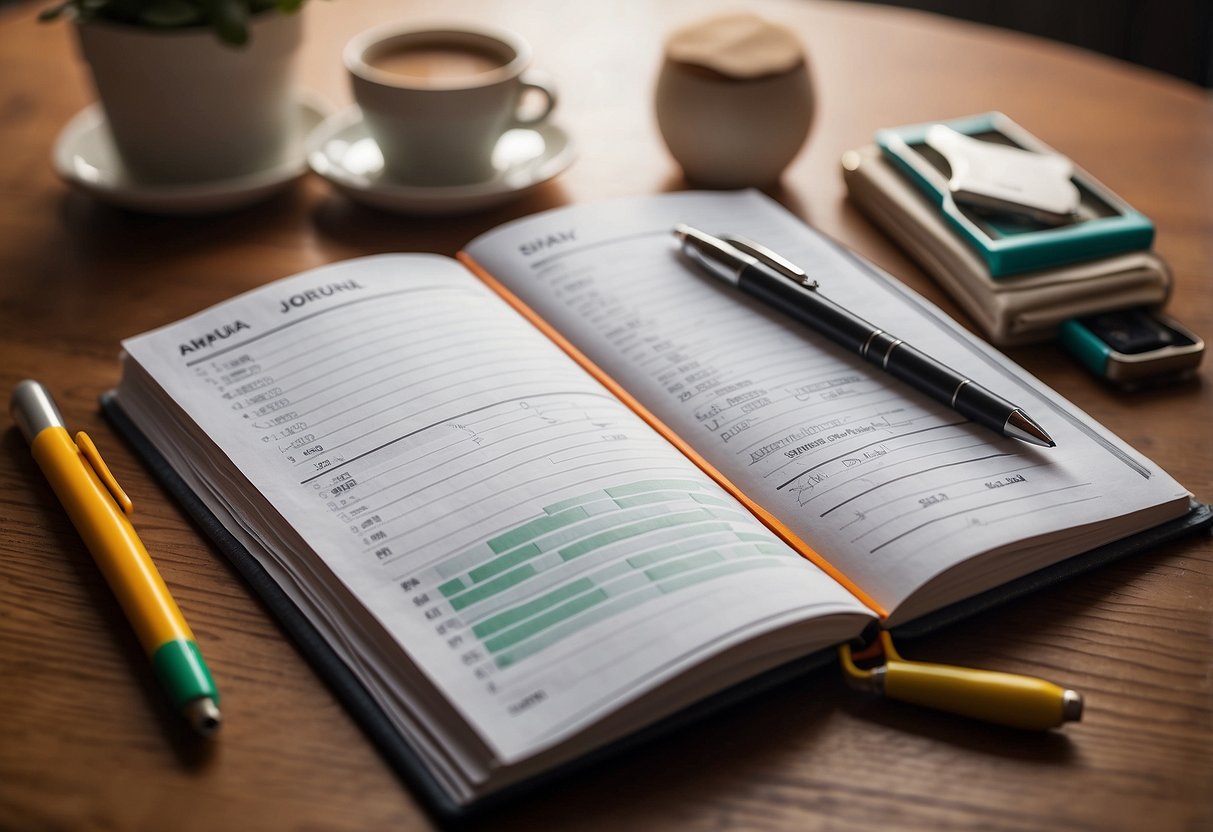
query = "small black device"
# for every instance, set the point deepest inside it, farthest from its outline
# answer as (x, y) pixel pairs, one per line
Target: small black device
(1133, 347)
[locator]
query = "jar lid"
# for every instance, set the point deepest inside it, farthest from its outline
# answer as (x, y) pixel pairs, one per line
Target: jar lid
(741, 46)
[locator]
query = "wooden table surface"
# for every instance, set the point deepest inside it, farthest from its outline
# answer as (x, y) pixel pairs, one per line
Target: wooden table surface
(87, 741)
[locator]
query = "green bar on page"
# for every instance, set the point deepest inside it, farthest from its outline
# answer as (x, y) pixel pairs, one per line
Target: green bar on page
(533, 529)
(599, 612)
(686, 564)
(512, 616)
(506, 561)
(683, 580)
(665, 553)
(610, 536)
(498, 584)
(733, 515)
(451, 587)
(653, 485)
(752, 536)
(615, 570)
(580, 500)
(650, 498)
(545, 620)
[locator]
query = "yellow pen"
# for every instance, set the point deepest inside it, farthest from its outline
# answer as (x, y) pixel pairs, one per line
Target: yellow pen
(98, 506)
(1002, 698)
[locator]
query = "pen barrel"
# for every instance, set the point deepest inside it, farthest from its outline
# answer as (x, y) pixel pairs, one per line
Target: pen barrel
(899, 359)
(940, 382)
(807, 306)
(1002, 698)
(127, 567)
(112, 540)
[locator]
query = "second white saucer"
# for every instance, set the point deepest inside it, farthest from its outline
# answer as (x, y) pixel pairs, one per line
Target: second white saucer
(84, 156)
(342, 152)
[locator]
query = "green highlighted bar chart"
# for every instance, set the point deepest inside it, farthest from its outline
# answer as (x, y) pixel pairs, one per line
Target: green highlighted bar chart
(589, 558)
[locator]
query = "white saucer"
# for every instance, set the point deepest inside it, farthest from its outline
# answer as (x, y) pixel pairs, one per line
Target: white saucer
(341, 151)
(84, 156)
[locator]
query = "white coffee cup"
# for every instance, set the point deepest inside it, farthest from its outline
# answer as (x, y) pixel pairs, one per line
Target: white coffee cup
(437, 99)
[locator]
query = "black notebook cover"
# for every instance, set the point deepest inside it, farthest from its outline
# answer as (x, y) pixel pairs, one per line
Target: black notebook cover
(409, 765)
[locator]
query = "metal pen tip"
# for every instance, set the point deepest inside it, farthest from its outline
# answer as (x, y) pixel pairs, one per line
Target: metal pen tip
(1071, 706)
(1020, 426)
(33, 409)
(204, 716)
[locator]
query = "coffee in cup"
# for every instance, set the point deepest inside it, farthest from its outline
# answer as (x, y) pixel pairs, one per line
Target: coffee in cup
(437, 100)
(436, 64)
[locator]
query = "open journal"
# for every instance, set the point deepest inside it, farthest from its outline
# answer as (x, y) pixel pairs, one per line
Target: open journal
(524, 548)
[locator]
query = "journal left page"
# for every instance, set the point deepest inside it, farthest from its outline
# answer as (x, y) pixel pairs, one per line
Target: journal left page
(501, 550)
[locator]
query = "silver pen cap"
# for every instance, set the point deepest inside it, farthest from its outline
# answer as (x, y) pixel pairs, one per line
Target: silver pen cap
(33, 409)
(715, 255)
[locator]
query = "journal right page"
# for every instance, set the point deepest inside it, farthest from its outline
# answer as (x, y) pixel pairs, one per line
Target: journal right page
(895, 490)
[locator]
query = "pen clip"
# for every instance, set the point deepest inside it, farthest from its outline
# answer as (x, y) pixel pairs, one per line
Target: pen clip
(763, 254)
(93, 456)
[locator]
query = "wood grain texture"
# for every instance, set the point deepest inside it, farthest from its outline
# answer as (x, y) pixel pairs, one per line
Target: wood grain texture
(88, 742)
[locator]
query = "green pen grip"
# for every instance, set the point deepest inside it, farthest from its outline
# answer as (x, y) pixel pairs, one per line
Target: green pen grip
(180, 668)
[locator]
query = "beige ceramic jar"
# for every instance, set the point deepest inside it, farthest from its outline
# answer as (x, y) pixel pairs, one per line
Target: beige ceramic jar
(734, 100)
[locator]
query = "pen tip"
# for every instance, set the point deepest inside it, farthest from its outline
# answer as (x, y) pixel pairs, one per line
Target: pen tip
(680, 231)
(1071, 706)
(1020, 426)
(204, 716)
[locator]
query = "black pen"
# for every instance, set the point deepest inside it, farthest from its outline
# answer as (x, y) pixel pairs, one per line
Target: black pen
(782, 285)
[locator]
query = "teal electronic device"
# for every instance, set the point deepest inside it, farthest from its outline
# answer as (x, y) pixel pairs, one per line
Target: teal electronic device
(1132, 347)
(1009, 242)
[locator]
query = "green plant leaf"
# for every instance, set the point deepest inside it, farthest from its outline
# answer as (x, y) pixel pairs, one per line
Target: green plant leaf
(230, 19)
(167, 14)
(54, 11)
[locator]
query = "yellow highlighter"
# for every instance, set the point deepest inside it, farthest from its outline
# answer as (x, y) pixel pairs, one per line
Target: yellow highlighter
(98, 506)
(1002, 698)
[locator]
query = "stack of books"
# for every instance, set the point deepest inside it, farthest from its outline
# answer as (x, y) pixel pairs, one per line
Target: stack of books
(1019, 278)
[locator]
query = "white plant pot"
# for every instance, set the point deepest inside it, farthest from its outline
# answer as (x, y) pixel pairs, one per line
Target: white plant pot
(184, 107)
